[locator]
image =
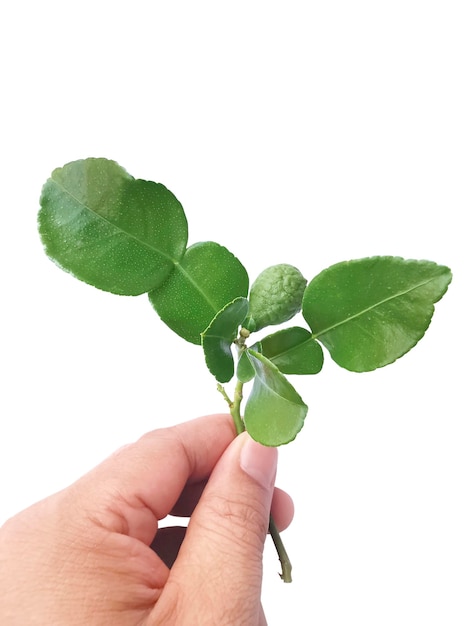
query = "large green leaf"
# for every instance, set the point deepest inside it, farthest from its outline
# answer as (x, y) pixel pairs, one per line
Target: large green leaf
(110, 230)
(219, 336)
(293, 351)
(369, 312)
(207, 277)
(274, 411)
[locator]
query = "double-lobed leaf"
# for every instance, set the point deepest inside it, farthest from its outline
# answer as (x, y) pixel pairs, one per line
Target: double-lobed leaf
(110, 230)
(207, 277)
(274, 412)
(129, 236)
(369, 312)
(219, 336)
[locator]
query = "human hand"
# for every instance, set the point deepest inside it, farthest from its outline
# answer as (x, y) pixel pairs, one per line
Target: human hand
(82, 556)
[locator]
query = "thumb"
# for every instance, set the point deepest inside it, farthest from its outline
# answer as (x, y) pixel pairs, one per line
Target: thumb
(219, 565)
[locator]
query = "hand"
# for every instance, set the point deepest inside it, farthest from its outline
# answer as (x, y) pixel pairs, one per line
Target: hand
(91, 554)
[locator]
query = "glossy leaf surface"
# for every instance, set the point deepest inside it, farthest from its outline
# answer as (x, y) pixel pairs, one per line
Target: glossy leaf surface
(245, 370)
(207, 277)
(293, 351)
(369, 312)
(110, 230)
(274, 411)
(218, 338)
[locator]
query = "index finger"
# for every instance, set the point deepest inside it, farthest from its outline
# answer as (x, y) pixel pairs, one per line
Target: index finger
(140, 483)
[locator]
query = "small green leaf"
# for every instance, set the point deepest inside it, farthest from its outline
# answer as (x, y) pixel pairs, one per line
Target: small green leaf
(110, 230)
(274, 412)
(369, 312)
(245, 370)
(207, 277)
(219, 336)
(293, 351)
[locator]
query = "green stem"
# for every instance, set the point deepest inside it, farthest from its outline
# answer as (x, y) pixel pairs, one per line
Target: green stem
(286, 567)
(235, 407)
(221, 389)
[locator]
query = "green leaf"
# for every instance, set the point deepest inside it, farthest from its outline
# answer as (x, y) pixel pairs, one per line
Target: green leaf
(369, 312)
(219, 336)
(293, 351)
(110, 230)
(245, 370)
(207, 277)
(274, 412)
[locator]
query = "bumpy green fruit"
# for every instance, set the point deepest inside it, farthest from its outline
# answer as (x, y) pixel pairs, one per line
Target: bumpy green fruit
(276, 296)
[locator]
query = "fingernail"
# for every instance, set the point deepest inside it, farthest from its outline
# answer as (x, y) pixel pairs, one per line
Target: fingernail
(259, 462)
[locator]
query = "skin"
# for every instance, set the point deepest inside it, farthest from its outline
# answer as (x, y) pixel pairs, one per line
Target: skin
(92, 554)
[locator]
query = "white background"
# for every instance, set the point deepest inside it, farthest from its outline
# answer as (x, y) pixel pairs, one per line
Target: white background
(298, 132)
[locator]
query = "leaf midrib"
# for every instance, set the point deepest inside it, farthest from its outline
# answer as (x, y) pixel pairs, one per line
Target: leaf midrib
(292, 348)
(371, 308)
(109, 222)
(263, 382)
(189, 278)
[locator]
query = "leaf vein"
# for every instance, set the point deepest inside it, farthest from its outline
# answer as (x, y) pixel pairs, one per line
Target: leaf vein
(109, 222)
(372, 307)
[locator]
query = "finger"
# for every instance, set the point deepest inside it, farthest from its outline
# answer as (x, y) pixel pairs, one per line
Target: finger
(221, 556)
(140, 484)
(282, 509)
(282, 506)
(168, 540)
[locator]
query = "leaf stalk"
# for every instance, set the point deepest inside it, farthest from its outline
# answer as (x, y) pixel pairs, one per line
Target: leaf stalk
(234, 405)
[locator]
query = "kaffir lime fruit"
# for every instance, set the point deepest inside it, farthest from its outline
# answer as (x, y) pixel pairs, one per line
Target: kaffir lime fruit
(275, 296)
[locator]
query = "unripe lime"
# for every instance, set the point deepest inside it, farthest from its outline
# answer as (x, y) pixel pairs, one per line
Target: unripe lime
(276, 295)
